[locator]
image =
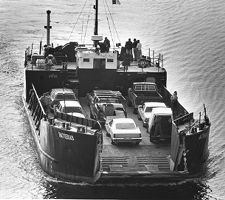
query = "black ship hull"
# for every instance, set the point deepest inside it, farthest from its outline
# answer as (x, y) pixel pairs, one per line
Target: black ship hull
(62, 153)
(81, 167)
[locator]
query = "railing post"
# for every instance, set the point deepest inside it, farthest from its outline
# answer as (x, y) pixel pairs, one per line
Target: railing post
(153, 57)
(40, 47)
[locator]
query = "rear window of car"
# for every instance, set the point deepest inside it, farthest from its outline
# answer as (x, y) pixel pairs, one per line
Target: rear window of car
(125, 126)
(65, 97)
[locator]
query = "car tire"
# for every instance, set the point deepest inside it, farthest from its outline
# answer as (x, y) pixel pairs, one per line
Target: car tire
(112, 142)
(137, 143)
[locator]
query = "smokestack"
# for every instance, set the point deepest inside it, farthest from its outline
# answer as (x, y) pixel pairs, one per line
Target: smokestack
(48, 27)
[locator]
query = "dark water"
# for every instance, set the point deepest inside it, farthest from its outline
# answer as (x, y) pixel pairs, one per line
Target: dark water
(190, 34)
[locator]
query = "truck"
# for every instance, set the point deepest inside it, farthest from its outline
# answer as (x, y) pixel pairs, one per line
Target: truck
(142, 92)
(106, 105)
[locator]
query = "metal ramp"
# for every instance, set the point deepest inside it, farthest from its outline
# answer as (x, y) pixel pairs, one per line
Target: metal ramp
(135, 164)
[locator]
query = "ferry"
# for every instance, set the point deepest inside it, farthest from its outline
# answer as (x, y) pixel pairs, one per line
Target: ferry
(80, 149)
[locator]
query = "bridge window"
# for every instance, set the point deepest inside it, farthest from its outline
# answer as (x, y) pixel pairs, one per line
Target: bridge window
(86, 60)
(99, 63)
(109, 60)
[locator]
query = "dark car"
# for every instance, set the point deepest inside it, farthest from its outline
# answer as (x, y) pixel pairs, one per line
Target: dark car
(105, 104)
(105, 95)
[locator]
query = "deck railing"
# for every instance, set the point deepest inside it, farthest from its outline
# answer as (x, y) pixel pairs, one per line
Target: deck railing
(36, 108)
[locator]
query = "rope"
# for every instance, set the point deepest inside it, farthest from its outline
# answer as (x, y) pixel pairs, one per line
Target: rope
(82, 28)
(87, 24)
(113, 22)
(77, 19)
(108, 23)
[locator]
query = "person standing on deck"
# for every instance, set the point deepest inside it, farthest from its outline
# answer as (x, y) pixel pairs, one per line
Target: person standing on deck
(46, 102)
(128, 47)
(134, 46)
(107, 44)
(174, 103)
(49, 61)
(139, 52)
(126, 61)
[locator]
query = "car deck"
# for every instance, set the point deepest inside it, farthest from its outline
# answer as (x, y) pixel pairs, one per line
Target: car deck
(145, 157)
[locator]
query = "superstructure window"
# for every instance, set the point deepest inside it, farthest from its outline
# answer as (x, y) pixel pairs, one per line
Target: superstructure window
(109, 60)
(99, 63)
(86, 60)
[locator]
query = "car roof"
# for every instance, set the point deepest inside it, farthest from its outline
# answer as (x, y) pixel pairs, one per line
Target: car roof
(167, 111)
(155, 104)
(70, 103)
(123, 120)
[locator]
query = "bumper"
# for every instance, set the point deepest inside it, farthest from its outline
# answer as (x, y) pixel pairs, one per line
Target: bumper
(125, 140)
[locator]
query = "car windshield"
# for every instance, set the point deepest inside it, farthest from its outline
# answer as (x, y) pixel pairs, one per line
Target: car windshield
(72, 110)
(125, 126)
(65, 97)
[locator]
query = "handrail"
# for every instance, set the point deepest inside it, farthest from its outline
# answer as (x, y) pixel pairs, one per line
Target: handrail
(35, 92)
(82, 121)
(183, 119)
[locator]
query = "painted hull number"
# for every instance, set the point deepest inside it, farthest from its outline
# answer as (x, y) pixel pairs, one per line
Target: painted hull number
(66, 136)
(53, 76)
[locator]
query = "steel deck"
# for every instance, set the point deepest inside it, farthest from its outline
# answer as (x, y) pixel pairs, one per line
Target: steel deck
(124, 158)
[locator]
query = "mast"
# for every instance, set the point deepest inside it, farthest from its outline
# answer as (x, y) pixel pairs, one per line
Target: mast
(96, 18)
(48, 27)
(96, 22)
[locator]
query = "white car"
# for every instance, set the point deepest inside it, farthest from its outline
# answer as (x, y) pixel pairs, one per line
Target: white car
(144, 111)
(71, 107)
(61, 94)
(123, 130)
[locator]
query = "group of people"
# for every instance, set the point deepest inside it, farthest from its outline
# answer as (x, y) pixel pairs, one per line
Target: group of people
(134, 49)
(105, 45)
(132, 52)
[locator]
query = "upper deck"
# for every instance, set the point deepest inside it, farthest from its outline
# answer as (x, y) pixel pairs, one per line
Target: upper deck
(40, 65)
(90, 69)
